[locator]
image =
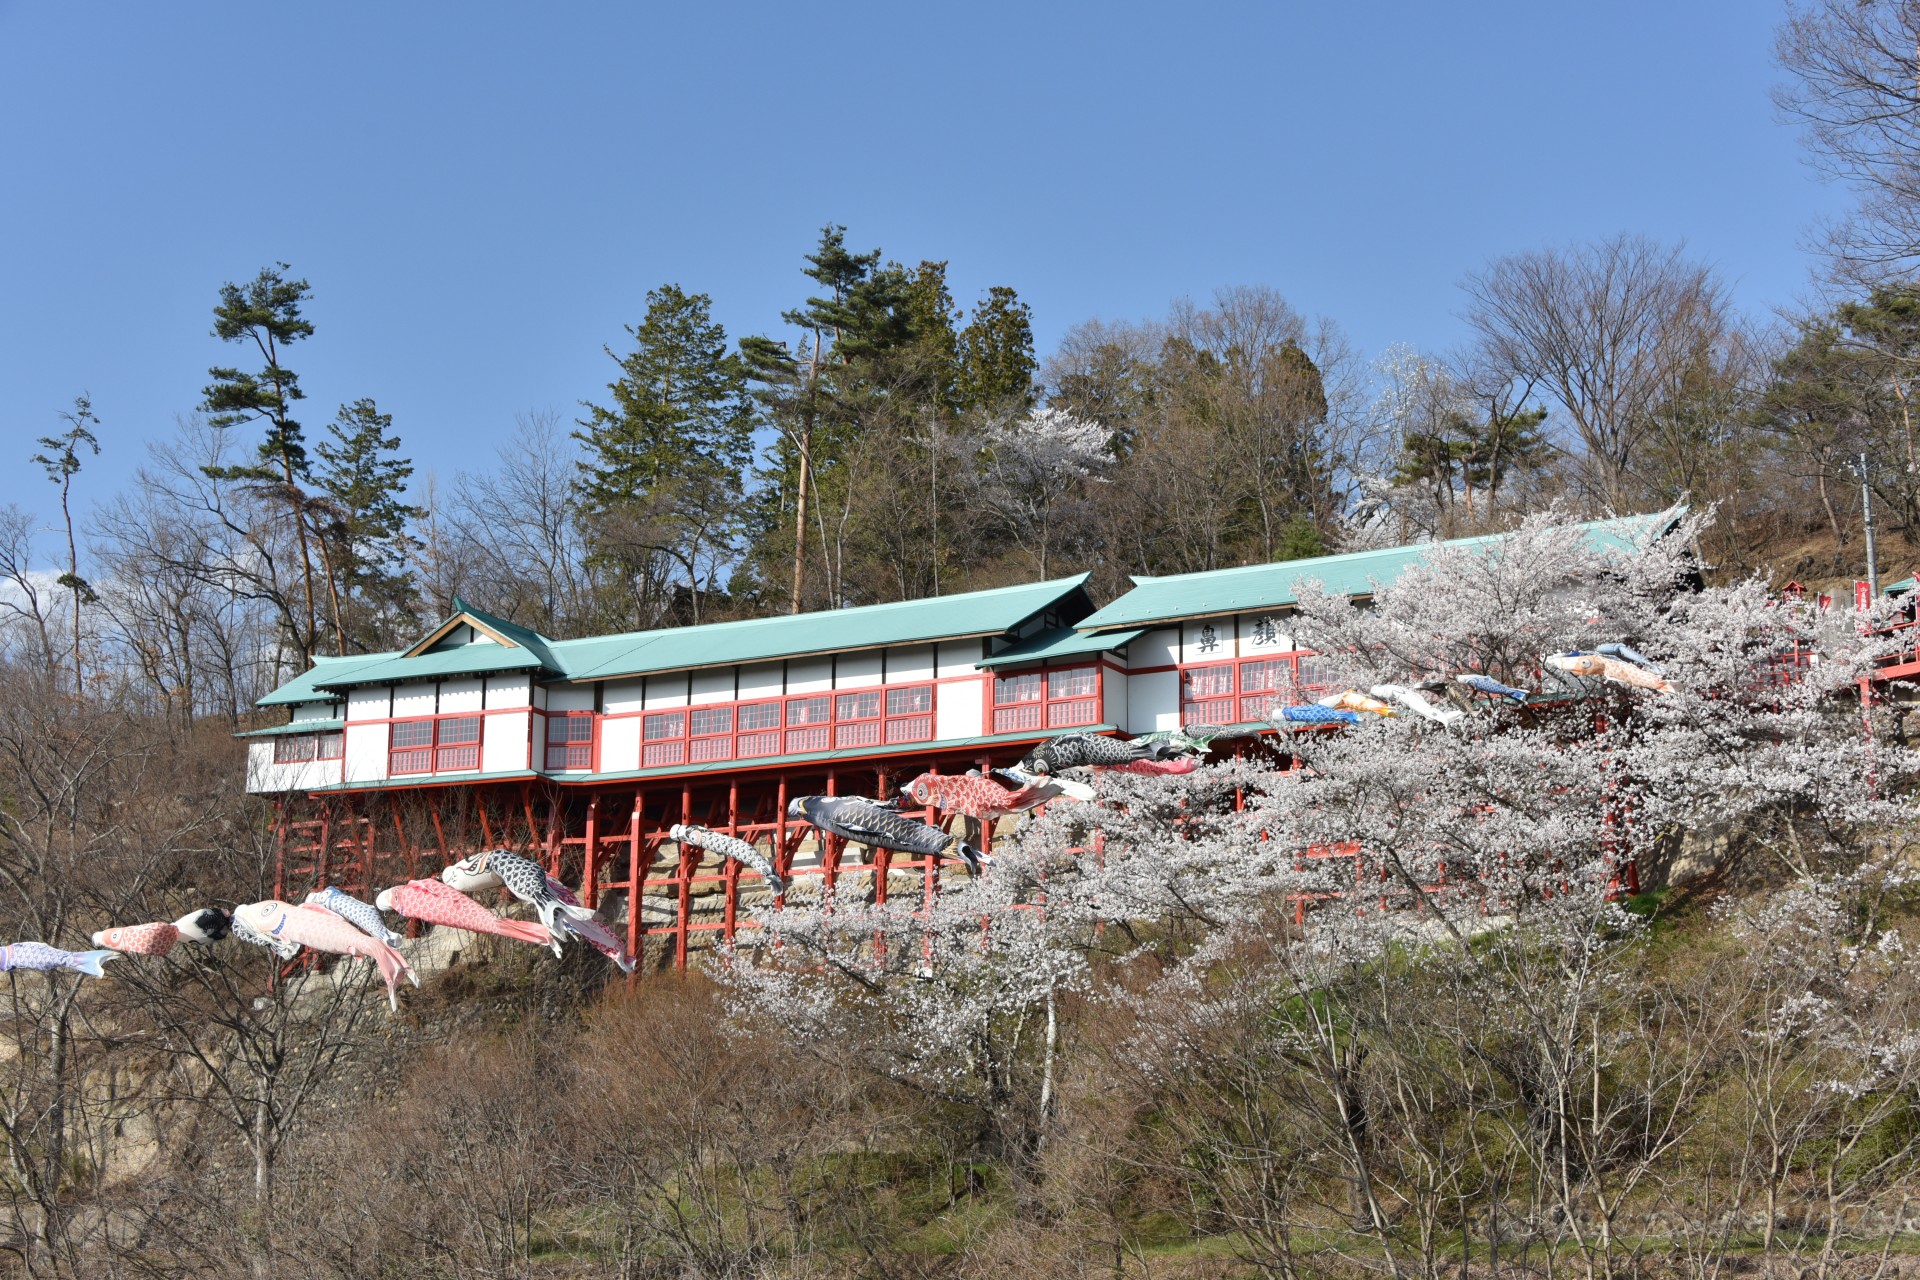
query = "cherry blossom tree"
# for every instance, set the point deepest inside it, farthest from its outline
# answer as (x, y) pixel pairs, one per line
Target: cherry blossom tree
(1404, 922)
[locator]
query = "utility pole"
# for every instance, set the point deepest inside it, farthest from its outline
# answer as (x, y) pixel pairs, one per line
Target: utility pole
(1866, 513)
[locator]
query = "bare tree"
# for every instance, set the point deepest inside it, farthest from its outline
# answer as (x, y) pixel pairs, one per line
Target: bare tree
(1856, 92)
(1608, 331)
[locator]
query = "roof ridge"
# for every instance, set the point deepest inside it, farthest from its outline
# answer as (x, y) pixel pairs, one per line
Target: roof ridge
(648, 633)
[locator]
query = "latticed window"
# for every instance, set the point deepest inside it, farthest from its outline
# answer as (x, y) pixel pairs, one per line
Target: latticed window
(570, 741)
(759, 729)
(910, 714)
(663, 738)
(1244, 692)
(329, 746)
(457, 743)
(856, 719)
(434, 745)
(808, 721)
(1207, 694)
(711, 732)
(411, 747)
(1060, 697)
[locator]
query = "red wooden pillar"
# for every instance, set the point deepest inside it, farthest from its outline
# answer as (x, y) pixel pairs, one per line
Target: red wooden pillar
(732, 869)
(831, 846)
(636, 875)
(590, 860)
(782, 855)
(689, 856)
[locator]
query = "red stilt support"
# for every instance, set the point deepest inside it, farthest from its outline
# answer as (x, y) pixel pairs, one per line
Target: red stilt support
(731, 888)
(689, 858)
(590, 873)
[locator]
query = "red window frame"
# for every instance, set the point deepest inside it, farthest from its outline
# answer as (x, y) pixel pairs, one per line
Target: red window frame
(435, 744)
(1046, 698)
(792, 724)
(571, 747)
(1244, 690)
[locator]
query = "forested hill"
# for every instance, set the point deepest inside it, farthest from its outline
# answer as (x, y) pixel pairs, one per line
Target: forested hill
(879, 441)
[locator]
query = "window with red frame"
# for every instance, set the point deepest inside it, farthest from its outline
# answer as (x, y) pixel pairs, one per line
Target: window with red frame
(437, 745)
(910, 714)
(810, 722)
(710, 733)
(856, 718)
(570, 741)
(663, 738)
(1246, 691)
(1057, 698)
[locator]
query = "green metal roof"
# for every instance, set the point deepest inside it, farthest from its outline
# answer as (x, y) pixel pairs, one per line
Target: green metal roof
(1355, 573)
(719, 644)
(466, 660)
(305, 686)
(969, 615)
(1899, 588)
(296, 726)
(1057, 642)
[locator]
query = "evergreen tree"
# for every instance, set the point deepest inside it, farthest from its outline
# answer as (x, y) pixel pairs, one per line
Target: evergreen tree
(62, 462)
(365, 482)
(660, 481)
(996, 353)
(266, 312)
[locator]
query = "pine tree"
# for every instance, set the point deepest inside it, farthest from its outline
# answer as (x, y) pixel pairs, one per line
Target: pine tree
(996, 353)
(266, 312)
(664, 460)
(365, 482)
(62, 461)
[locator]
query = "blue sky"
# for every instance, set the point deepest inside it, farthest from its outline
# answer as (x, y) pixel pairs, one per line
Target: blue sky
(481, 195)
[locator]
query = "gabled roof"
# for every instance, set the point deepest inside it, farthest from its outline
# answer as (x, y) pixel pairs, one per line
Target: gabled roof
(971, 615)
(1355, 573)
(1056, 642)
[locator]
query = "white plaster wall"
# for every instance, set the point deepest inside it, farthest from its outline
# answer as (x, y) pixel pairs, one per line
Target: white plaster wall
(957, 658)
(1194, 630)
(366, 752)
(503, 742)
(460, 695)
(264, 776)
(1251, 647)
(509, 691)
(715, 685)
(367, 704)
(317, 711)
(1154, 649)
(858, 670)
(620, 695)
(1153, 702)
(620, 744)
(570, 697)
(957, 709)
(809, 675)
(910, 664)
(668, 689)
(413, 700)
(762, 680)
(1113, 696)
